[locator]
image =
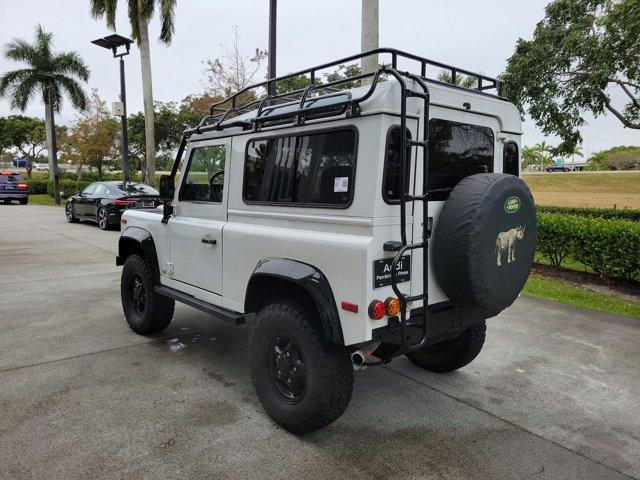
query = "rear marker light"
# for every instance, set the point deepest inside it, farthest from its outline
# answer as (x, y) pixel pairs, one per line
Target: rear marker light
(123, 221)
(377, 310)
(123, 202)
(350, 307)
(392, 306)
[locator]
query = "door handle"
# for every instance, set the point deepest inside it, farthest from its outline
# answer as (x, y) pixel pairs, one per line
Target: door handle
(209, 241)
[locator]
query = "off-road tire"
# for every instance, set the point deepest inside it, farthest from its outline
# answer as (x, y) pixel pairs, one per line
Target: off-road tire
(69, 213)
(451, 354)
(157, 310)
(329, 372)
(24, 201)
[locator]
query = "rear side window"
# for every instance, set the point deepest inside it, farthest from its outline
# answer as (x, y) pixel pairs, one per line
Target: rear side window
(510, 158)
(301, 170)
(393, 168)
(134, 189)
(457, 150)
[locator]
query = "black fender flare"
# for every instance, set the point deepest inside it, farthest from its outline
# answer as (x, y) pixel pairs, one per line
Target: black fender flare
(136, 239)
(310, 278)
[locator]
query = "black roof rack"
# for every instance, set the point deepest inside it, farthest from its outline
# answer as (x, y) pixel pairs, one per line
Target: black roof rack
(324, 99)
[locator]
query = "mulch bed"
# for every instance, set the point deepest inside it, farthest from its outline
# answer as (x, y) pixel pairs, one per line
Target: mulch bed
(619, 287)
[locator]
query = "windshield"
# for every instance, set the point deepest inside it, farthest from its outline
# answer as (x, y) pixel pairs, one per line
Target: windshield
(10, 178)
(136, 189)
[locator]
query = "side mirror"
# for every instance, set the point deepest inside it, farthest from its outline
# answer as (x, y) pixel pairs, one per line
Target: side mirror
(167, 188)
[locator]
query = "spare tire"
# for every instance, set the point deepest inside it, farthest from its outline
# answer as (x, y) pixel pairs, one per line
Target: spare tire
(484, 241)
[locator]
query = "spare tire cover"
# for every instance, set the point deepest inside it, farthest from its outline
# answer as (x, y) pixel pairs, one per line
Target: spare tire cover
(485, 240)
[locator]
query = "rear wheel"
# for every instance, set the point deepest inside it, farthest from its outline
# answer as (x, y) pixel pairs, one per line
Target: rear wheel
(103, 219)
(24, 201)
(146, 311)
(303, 381)
(451, 354)
(69, 213)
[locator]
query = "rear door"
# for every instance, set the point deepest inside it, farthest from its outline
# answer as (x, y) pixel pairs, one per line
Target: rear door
(461, 144)
(195, 230)
(93, 200)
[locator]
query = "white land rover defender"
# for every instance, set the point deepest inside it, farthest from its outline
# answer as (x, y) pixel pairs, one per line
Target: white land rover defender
(358, 220)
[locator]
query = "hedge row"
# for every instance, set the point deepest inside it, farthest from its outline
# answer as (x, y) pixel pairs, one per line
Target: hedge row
(68, 187)
(606, 213)
(609, 246)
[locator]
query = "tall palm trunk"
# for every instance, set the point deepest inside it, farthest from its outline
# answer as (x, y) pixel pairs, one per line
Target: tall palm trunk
(50, 128)
(147, 93)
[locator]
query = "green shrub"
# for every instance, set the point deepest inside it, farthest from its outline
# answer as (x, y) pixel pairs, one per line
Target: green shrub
(608, 246)
(37, 186)
(607, 213)
(68, 187)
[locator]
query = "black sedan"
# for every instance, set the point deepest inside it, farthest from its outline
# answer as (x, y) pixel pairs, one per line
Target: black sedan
(104, 202)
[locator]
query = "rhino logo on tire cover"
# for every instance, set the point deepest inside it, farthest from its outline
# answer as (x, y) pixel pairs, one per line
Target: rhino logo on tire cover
(507, 241)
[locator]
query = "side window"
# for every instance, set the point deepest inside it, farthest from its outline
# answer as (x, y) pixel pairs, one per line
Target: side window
(457, 150)
(204, 177)
(393, 168)
(510, 158)
(100, 190)
(305, 170)
(90, 189)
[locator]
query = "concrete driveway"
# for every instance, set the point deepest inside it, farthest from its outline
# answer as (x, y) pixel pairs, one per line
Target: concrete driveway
(554, 394)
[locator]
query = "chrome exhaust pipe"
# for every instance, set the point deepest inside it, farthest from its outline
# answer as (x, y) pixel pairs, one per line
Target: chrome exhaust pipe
(364, 353)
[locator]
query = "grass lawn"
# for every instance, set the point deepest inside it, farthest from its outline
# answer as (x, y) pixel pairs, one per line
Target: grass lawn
(543, 287)
(42, 199)
(586, 189)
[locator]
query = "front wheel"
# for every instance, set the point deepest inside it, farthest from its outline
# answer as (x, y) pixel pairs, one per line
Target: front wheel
(146, 311)
(303, 381)
(69, 213)
(451, 354)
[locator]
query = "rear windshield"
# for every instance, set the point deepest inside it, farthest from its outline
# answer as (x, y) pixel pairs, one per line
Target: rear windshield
(302, 170)
(10, 178)
(457, 150)
(135, 189)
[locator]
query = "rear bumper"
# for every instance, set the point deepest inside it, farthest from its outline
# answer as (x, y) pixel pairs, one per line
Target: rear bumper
(445, 321)
(13, 195)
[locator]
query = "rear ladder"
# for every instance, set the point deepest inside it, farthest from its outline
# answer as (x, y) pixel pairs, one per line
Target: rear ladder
(402, 246)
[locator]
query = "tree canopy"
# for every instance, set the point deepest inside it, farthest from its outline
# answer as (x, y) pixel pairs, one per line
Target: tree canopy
(581, 52)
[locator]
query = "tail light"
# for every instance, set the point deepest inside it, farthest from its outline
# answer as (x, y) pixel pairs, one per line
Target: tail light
(377, 310)
(392, 306)
(124, 202)
(22, 186)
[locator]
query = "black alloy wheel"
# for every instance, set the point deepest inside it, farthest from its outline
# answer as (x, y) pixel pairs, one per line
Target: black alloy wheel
(287, 368)
(138, 294)
(103, 221)
(69, 213)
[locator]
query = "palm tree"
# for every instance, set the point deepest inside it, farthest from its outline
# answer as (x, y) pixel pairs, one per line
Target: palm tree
(529, 156)
(576, 150)
(543, 149)
(460, 80)
(140, 12)
(48, 75)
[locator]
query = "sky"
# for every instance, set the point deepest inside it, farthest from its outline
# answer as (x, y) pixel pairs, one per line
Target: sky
(478, 36)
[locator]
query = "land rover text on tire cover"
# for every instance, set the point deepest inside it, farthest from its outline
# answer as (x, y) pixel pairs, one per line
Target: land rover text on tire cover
(350, 222)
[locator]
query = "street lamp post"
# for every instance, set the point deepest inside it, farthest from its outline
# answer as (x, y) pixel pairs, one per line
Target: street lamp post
(273, 9)
(113, 43)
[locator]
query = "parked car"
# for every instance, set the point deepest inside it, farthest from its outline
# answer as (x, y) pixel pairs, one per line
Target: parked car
(41, 167)
(13, 187)
(104, 202)
(300, 210)
(557, 168)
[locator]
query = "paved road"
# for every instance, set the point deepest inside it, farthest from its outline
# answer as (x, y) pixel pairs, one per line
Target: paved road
(554, 394)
